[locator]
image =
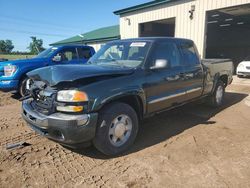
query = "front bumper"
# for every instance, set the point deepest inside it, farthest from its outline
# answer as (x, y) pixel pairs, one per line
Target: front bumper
(63, 128)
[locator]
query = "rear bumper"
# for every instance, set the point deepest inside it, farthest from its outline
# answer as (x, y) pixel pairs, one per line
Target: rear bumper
(63, 128)
(8, 85)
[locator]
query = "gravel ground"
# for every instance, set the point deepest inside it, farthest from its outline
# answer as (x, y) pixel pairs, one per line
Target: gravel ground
(192, 146)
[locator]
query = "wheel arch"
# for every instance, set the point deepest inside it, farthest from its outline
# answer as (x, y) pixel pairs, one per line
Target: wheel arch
(220, 77)
(224, 79)
(135, 99)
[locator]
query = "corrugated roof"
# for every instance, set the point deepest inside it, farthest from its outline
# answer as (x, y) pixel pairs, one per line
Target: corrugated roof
(98, 35)
(142, 6)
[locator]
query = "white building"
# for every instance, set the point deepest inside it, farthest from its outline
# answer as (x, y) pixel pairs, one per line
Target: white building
(220, 28)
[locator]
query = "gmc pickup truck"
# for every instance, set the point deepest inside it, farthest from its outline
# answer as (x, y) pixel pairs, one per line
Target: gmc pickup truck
(103, 101)
(13, 73)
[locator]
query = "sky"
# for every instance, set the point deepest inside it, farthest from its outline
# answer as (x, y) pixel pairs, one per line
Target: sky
(55, 20)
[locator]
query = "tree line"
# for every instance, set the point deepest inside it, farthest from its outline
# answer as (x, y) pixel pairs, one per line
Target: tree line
(35, 46)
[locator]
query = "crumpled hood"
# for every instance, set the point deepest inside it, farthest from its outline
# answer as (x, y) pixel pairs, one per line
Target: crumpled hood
(21, 61)
(53, 75)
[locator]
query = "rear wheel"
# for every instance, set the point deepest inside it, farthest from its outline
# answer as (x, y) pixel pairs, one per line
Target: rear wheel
(117, 129)
(217, 97)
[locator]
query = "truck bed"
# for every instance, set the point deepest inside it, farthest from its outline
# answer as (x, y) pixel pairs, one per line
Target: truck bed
(223, 66)
(216, 67)
(214, 61)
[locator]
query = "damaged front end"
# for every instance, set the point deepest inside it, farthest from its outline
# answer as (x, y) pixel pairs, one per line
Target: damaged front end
(56, 105)
(47, 116)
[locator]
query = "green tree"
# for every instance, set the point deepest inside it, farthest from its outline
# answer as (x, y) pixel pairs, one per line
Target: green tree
(36, 45)
(2, 46)
(6, 46)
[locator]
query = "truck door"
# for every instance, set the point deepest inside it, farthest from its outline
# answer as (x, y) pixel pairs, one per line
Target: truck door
(164, 87)
(193, 71)
(84, 53)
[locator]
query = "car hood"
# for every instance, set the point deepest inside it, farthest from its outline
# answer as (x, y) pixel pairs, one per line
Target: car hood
(21, 61)
(53, 75)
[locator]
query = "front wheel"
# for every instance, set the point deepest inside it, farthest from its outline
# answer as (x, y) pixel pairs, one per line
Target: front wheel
(117, 129)
(23, 87)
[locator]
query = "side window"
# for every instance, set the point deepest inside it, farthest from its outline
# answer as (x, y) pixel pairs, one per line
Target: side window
(168, 51)
(68, 54)
(189, 54)
(84, 53)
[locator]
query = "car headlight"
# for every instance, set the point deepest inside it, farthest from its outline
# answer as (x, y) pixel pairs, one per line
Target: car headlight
(72, 96)
(9, 70)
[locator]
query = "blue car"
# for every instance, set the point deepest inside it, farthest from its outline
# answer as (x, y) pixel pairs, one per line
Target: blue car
(13, 73)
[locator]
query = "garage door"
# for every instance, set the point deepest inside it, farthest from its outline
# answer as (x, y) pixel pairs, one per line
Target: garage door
(159, 28)
(228, 33)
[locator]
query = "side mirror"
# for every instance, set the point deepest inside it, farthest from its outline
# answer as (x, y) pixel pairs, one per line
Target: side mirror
(57, 58)
(160, 64)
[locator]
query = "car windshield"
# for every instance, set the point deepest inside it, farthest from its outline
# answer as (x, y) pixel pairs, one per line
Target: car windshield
(123, 53)
(46, 53)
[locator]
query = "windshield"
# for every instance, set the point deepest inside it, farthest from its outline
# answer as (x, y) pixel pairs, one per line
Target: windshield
(46, 53)
(123, 53)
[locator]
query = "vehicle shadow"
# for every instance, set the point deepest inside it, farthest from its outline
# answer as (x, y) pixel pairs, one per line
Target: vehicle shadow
(171, 123)
(16, 96)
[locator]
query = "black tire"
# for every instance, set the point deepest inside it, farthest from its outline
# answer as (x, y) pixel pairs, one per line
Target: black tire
(240, 76)
(214, 100)
(103, 140)
(22, 87)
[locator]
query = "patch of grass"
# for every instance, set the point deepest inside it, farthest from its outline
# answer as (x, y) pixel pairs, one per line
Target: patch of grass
(12, 56)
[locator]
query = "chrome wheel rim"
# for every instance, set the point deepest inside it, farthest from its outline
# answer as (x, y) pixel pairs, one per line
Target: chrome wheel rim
(120, 130)
(219, 94)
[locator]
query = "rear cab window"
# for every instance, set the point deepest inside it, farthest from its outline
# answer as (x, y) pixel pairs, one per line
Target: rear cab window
(189, 53)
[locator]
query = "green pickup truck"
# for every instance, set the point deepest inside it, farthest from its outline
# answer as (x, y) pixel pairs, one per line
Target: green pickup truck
(103, 101)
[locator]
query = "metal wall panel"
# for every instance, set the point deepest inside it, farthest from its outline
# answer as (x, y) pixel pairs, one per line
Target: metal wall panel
(185, 27)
